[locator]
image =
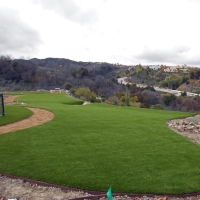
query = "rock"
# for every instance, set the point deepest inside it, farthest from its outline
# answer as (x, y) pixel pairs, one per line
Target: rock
(180, 128)
(189, 127)
(198, 126)
(181, 122)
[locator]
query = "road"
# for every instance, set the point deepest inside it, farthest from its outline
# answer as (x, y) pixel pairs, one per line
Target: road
(175, 92)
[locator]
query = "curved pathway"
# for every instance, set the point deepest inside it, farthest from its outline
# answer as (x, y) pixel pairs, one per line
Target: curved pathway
(38, 117)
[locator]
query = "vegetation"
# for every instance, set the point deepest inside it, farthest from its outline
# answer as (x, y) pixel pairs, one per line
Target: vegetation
(98, 82)
(174, 81)
(50, 73)
(84, 94)
(195, 73)
(97, 146)
(139, 75)
(14, 113)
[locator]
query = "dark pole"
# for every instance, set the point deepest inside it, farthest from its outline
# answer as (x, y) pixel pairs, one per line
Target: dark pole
(2, 104)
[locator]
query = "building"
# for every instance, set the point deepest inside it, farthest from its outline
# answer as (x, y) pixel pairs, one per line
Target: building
(154, 67)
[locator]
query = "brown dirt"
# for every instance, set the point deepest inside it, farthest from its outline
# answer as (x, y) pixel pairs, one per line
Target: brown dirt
(22, 190)
(10, 98)
(38, 117)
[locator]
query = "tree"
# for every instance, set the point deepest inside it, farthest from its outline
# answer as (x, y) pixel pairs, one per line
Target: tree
(85, 94)
(184, 94)
(113, 100)
(192, 104)
(67, 85)
(168, 99)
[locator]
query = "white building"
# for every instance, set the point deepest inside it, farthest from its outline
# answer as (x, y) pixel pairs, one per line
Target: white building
(154, 67)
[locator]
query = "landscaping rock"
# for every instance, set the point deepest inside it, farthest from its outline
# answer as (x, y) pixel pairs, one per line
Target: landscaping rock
(188, 127)
(191, 124)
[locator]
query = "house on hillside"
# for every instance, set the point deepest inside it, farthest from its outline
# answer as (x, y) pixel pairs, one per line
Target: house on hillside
(170, 69)
(164, 67)
(174, 69)
(154, 67)
(183, 68)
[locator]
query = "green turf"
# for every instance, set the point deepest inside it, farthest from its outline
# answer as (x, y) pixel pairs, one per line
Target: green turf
(98, 146)
(14, 113)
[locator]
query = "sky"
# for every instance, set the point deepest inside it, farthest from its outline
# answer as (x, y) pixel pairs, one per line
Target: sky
(128, 32)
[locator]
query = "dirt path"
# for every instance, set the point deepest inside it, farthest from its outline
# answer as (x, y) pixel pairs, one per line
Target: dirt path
(38, 117)
(10, 98)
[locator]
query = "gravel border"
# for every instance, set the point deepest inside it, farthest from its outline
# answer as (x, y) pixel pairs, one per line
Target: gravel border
(94, 195)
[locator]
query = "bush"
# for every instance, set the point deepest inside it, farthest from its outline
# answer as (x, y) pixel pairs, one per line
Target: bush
(184, 94)
(67, 86)
(16, 88)
(158, 107)
(168, 99)
(85, 94)
(113, 100)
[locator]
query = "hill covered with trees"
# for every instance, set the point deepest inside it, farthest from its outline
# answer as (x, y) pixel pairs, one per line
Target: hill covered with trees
(98, 81)
(19, 74)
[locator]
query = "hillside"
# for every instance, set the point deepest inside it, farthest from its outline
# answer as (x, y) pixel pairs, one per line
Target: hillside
(193, 85)
(51, 71)
(95, 68)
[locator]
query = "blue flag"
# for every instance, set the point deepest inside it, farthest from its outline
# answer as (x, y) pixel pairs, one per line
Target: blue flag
(109, 193)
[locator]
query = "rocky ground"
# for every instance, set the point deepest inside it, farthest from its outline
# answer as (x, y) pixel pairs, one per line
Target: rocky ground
(18, 189)
(188, 127)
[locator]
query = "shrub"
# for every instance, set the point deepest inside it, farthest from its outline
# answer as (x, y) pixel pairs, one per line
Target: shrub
(158, 107)
(85, 94)
(67, 86)
(113, 100)
(168, 99)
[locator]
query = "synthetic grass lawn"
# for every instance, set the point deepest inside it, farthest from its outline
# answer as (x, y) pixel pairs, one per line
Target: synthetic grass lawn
(97, 146)
(14, 113)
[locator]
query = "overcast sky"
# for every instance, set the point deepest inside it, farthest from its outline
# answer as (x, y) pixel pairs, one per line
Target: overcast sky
(116, 31)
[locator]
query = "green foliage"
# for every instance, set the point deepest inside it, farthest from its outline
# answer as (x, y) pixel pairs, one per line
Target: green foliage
(73, 90)
(119, 94)
(122, 100)
(85, 94)
(134, 99)
(67, 86)
(184, 93)
(174, 81)
(185, 79)
(158, 107)
(169, 83)
(148, 76)
(168, 99)
(194, 73)
(113, 100)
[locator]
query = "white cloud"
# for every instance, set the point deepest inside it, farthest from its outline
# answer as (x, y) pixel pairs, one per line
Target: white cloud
(118, 31)
(16, 36)
(82, 12)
